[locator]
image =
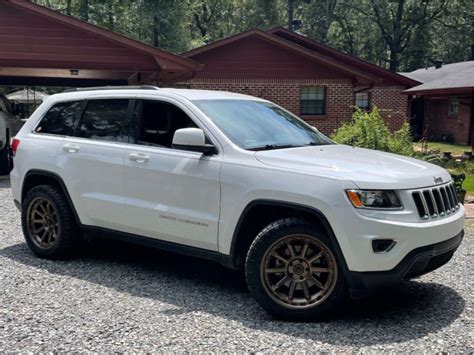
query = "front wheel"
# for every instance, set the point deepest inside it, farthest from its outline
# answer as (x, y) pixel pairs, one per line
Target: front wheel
(292, 271)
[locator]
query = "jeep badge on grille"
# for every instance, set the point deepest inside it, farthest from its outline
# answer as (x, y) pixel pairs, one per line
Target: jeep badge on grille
(438, 179)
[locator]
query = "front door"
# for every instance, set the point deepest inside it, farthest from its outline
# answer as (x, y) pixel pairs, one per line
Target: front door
(170, 194)
(417, 113)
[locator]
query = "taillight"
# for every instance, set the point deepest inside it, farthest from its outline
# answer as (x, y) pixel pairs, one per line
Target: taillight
(14, 145)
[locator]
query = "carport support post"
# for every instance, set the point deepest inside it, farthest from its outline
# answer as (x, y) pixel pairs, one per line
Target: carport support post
(471, 136)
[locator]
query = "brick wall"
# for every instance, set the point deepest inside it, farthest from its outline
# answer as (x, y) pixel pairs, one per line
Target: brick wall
(339, 98)
(440, 123)
(392, 103)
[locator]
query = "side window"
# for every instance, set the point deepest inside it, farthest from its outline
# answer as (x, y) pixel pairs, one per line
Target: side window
(453, 107)
(158, 122)
(313, 100)
(362, 100)
(106, 120)
(61, 119)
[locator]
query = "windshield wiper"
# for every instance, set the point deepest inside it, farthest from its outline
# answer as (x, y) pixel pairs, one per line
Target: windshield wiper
(274, 146)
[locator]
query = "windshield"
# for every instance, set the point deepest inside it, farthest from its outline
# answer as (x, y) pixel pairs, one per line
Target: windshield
(257, 125)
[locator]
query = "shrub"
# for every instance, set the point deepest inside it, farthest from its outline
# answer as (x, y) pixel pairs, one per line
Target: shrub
(368, 130)
(400, 141)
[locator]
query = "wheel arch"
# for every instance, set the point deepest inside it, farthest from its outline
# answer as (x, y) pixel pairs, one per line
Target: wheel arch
(36, 177)
(259, 213)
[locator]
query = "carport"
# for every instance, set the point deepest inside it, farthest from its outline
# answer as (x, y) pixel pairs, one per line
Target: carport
(41, 47)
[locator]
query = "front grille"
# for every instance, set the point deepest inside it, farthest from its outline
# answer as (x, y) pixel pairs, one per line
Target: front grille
(436, 202)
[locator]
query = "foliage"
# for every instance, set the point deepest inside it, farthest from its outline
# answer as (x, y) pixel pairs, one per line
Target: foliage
(368, 130)
(454, 149)
(400, 141)
(401, 35)
(435, 155)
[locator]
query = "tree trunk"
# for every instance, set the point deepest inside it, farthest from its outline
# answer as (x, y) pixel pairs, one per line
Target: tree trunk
(395, 47)
(68, 7)
(110, 11)
(393, 59)
(291, 10)
(156, 29)
(330, 6)
(84, 10)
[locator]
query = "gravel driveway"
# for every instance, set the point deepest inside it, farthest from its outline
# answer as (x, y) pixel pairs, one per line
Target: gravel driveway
(130, 298)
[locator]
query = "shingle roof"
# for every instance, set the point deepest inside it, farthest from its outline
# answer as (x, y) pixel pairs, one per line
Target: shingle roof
(448, 77)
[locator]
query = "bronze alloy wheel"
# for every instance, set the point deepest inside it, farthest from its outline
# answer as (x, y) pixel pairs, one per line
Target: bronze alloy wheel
(299, 271)
(43, 223)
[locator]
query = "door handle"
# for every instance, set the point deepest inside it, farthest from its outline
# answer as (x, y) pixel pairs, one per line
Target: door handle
(139, 158)
(71, 148)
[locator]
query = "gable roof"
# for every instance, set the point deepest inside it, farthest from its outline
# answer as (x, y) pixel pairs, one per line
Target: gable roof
(34, 36)
(307, 42)
(314, 56)
(455, 77)
(313, 50)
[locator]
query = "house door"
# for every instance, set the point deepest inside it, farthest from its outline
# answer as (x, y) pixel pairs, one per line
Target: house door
(417, 114)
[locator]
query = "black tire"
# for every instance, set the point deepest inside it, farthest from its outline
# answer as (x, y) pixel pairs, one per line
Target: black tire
(68, 236)
(295, 230)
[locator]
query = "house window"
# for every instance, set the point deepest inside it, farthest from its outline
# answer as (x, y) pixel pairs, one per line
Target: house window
(313, 100)
(453, 107)
(362, 100)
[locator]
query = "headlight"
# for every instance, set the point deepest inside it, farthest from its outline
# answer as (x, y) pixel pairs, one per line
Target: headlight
(374, 199)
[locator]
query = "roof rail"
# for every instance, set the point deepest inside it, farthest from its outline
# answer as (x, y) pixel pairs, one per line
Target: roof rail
(142, 87)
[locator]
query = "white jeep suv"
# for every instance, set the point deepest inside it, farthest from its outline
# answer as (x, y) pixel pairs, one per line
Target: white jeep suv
(235, 179)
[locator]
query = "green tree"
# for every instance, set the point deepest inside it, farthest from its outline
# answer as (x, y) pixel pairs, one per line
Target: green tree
(318, 16)
(398, 19)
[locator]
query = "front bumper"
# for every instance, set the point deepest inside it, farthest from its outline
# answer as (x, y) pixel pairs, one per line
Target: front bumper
(358, 231)
(416, 263)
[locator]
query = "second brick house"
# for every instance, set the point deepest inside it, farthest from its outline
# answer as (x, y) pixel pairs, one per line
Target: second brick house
(314, 81)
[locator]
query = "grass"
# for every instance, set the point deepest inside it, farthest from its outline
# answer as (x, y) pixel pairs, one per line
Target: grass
(466, 168)
(468, 184)
(455, 149)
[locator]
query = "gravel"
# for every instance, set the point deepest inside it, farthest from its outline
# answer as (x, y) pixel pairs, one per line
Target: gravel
(126, 298)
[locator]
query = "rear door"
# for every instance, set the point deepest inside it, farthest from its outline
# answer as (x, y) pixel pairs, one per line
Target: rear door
(171, 194)
(92, 161)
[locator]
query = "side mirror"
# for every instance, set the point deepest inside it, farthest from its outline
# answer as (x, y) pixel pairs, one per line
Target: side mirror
(192, 139)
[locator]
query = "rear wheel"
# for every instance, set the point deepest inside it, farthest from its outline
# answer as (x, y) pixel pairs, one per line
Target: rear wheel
(48, 223)
(292, 271)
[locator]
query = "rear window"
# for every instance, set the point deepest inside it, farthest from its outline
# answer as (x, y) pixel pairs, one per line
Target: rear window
(61, 119)
(106, 120)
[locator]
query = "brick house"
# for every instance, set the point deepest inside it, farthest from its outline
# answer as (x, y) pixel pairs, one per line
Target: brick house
(441, 107)
(314, 81)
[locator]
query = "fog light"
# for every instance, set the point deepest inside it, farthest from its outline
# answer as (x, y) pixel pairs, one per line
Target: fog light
(383, 245)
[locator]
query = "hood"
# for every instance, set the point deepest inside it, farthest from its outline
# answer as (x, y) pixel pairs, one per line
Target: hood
(368, 169)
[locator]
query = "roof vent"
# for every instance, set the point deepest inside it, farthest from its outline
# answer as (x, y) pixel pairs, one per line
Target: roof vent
(438, 63)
